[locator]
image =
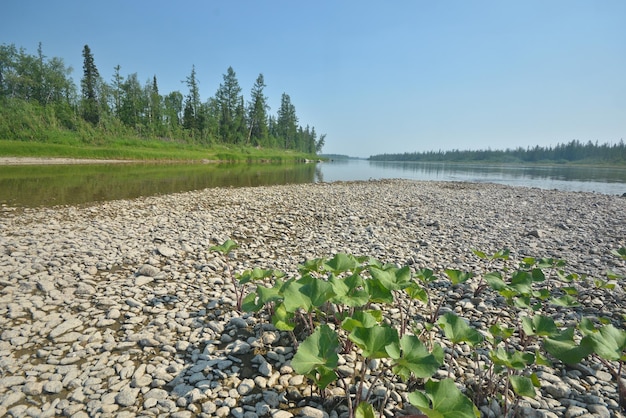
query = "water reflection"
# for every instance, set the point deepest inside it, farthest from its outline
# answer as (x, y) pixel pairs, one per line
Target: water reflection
(49, 185)
(552, 172)
(608, 180)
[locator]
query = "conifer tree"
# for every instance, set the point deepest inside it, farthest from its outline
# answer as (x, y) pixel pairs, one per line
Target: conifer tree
(231, 110)
(89, 82)
(156, 107)
(192, 102)
(118, 81)
(287, 122)
(257, 114)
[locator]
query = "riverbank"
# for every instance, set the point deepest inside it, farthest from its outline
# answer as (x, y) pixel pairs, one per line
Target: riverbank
(119, 309)
(138, 150)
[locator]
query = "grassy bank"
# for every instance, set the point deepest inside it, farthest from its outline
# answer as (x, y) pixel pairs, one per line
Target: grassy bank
(145, 150)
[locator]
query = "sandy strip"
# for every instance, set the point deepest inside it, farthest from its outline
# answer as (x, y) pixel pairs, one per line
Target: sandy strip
(55, 161)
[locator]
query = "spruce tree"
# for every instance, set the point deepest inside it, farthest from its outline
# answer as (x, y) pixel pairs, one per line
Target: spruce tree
(118, 81)
(287, 123)
(192, 102)
(231, 110)
(89, 82)
(156, 105)
(257, 114)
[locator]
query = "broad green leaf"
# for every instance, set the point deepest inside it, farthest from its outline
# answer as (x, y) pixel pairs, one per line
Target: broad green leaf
(226, 247)
(586, 326)
(270, 294)
(377, 292)
(457, 276)
(537, 275)
(257, 274)
(317, 356)
(457, 330)
(364, 410)
(362, 319)
(318, 290)
(443, 400)
(563, 347)
(570, 290)
(392, 278)
(283, 320)
(250, 304)
(522, 301)
(511, 359)
(348, 291)
(341, 263)
(541, 360)
(501, 255)
(608, 342)
(412, 357)
(374, 340)
(509, 293)
(605, 284)
(540, 325)
(480, 254)
(415, 291)
(306, 293)
(494, 280)
(550, 263)
(500, 333)
(425, 275)
(323, 376)
(566, 301)
(620, 253)
(293, 296)
(311, 266)
(522, 281)
(528, 261)
(522, 386)
(541, 294)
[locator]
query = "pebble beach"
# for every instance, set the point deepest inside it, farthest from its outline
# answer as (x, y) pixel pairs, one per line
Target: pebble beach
(119, 309)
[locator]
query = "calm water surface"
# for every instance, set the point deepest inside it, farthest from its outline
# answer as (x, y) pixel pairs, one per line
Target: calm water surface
(606, 180)
(32, 186)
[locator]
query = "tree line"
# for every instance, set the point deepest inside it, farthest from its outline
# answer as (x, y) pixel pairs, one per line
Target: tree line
(573, 151)
(124, 104)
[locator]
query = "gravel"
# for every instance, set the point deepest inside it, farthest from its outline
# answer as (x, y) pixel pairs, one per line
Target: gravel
(119, 309)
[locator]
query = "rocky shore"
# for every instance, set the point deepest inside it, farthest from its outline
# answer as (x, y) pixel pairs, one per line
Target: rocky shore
(119, 309)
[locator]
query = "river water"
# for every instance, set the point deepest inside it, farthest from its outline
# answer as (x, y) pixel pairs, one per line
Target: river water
(34, 186)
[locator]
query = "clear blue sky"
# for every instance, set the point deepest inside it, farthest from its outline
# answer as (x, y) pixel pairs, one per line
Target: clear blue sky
(375, 76)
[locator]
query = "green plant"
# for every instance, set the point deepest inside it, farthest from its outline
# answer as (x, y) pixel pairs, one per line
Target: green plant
(341, 305)
(444, 400)
(335, 305)
(240, 280)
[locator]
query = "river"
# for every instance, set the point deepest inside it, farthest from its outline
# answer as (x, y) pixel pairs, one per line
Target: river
(48, 185)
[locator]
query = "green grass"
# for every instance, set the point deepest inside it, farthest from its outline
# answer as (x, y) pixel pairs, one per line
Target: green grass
(144, 150)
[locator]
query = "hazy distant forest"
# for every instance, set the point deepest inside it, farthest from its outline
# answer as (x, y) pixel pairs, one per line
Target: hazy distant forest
(573, 151)
(39, 102)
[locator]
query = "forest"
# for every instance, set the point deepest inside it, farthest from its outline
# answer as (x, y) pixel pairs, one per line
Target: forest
(39, 101)
(572, 152)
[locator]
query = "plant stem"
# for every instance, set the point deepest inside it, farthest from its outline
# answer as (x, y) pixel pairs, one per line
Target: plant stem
(506, 390)
(376, 378)
(362, 378)
(347, 390)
